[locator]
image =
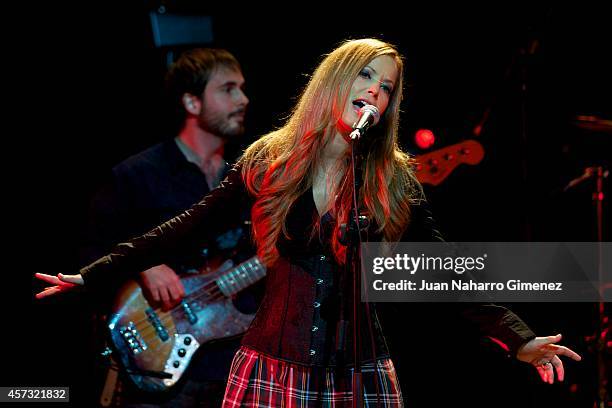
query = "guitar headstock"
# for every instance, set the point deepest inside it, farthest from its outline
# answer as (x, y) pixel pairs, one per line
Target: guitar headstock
(432, 168)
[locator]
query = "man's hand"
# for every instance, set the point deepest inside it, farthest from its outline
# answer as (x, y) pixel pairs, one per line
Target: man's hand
(161, 285)
(544, 355)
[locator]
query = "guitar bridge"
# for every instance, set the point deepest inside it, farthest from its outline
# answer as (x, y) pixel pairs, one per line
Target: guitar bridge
(132, 338)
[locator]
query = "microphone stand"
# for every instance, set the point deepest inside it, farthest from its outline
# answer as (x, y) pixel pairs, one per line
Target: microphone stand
(351, 238)
(603, 330)
(353, 265)
(600, 339)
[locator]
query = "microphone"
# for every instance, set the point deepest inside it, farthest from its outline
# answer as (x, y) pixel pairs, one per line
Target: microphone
(368, 116)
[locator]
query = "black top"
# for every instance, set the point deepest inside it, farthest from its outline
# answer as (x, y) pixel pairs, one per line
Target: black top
(143, 191)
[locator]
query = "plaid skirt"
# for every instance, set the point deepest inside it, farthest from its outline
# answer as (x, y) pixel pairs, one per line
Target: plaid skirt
(258, 380)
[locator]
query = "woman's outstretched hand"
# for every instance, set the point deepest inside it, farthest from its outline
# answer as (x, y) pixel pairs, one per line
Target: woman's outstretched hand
(543, 354)
(61, 283)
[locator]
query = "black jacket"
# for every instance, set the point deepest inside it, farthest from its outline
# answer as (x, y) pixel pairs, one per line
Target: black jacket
(297, 320)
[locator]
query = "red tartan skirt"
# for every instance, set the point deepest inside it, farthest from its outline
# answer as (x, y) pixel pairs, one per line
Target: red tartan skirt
(258, 380)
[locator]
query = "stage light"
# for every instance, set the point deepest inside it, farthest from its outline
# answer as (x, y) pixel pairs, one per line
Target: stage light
(424, 138)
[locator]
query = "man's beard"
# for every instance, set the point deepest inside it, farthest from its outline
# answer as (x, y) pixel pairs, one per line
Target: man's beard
(221, 125)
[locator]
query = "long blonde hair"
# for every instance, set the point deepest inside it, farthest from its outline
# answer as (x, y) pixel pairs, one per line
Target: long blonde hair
(279, 167)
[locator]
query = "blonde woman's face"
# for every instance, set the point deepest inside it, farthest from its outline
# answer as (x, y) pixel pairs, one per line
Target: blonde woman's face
(373, 86)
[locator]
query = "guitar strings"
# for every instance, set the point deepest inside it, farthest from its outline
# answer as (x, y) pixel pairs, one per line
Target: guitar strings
(213, 295)
(211, 290)
(148, 334)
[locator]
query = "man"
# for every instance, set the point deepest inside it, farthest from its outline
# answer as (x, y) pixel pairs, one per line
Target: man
(206, 86)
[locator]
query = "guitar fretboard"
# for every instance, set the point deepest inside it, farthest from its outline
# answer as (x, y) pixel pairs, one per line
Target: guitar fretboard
(241, 276)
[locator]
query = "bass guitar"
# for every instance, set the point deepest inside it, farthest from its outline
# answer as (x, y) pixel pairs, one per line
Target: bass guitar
(155, 347)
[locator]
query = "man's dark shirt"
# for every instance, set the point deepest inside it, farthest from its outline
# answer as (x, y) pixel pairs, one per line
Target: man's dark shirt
(145, 190)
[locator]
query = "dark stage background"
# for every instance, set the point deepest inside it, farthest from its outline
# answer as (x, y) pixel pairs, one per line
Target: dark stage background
(90, 95)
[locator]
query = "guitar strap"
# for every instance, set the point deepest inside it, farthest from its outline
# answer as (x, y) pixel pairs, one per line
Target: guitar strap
(106, 398)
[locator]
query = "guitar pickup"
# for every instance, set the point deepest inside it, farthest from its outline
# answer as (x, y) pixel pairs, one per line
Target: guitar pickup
(161, 331)
(191, 316)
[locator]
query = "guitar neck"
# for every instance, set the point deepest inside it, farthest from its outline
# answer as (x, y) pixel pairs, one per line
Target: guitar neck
(241, 276)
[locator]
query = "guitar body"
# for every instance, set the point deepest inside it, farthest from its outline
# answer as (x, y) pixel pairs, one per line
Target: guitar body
(152, 343)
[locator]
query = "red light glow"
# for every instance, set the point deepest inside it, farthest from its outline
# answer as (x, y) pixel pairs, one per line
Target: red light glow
(424, 138)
